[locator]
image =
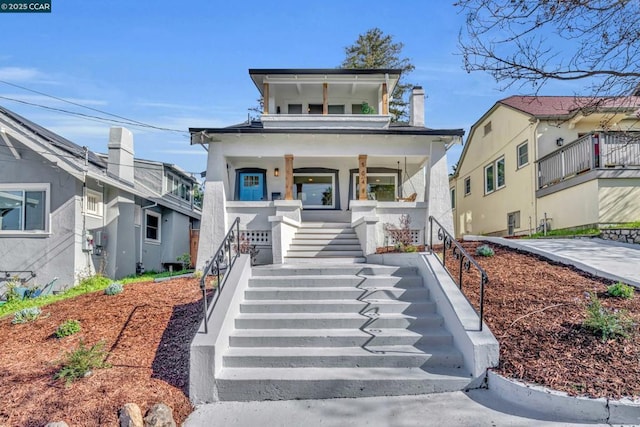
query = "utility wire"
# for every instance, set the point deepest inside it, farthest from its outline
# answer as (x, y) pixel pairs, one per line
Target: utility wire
(94, 118)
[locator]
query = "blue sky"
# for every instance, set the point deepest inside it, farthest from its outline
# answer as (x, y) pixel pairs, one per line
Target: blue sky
(184, 64)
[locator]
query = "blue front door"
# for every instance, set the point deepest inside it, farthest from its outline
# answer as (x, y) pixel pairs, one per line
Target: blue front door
(251, 186)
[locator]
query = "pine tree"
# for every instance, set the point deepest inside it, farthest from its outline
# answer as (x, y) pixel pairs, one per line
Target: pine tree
(374, 49)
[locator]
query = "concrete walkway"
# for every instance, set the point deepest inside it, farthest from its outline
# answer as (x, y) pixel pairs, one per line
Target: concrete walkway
(474, 408)
(604, 258)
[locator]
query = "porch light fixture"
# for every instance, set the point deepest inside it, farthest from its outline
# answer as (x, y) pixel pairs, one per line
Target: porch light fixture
(276, 172)
(559, 142)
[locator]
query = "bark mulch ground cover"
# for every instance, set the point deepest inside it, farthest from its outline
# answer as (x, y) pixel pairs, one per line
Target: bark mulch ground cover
(534, 308)
(147, 330)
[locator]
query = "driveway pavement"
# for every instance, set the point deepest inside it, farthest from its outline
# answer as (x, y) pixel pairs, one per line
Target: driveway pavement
(604, 258)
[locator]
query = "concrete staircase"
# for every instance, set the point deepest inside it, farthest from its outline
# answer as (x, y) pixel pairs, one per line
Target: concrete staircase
(342, 330)
(325, 242)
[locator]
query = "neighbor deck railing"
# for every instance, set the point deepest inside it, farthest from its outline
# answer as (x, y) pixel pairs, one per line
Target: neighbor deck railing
(591, 151)
(449, 243)
(224, 259)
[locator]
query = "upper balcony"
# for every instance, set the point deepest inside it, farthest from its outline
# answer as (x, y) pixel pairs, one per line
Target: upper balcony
(596, 150)
(325, 98)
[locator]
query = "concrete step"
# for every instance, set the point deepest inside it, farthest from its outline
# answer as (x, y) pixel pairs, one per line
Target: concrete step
(325, 224)
(339, 337)
(332, 293)
(321, 249)
(337, 306)
(325, 260)
(338, 269)
(245, 384)
(324, 241)
(326, 236)
(335, 320)
(324, 252)
(326, 231)
(342, 280)
(393, 356)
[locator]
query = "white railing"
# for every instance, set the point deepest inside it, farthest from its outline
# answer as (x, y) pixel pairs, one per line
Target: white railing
(591, 151)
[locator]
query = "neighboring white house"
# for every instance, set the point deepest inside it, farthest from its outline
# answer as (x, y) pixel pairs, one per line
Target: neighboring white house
(66, 211)
(325, 149)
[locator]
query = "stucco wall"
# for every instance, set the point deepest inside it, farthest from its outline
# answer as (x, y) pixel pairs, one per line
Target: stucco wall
(480, 213)
(619, 200)
(572, 207)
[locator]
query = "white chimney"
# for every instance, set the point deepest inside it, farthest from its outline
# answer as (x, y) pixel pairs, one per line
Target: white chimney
(121, 153)
(416, 107)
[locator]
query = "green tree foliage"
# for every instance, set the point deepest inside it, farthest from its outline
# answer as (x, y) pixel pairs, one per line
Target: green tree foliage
(374, 49)
(198, 194)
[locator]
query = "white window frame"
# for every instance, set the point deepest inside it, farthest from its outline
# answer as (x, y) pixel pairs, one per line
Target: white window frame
(494, 166)
(99, 211)
(146, 225)
(333, 188)
(355, 180)
(467, 179)
(524, 144)
(46, 187)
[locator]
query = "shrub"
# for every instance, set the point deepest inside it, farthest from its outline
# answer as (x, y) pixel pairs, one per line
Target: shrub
(113, 289)
(94, 283)
(410, 248)
(69, 327)
(185, 260)
(11, 293)
(80, 362)
(605, 322)
(485, 250)
(26, 315)
(620, 290)
(198, 274)
(401, 235)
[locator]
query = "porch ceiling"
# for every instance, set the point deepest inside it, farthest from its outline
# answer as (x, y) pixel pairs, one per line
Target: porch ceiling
(323, 161)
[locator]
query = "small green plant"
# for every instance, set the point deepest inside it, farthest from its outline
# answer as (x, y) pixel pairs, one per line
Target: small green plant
(69, 327)
(113, 289)
(485, 250)
(94, 283)
(80, 362)
(198, 274)
(26, 315)
(605, 322)
(365, 108)
(185, 260)
(620, 290)
(12, 293)
(410, 248)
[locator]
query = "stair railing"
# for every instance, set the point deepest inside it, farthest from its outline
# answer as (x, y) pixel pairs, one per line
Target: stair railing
(222, 261)
(465, 261)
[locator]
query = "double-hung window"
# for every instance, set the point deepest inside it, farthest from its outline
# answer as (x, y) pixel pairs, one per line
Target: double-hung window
(523, 154)
(494, 178)
(24, 208)
(94, 203)
(152, 226)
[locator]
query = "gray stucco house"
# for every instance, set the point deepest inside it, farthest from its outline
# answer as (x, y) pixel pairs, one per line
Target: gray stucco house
(66, 211)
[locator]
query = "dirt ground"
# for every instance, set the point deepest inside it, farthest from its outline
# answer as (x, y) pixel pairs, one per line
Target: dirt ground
(147, 330)
(534, 308)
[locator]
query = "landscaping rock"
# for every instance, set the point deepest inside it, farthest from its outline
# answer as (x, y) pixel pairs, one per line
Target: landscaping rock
(57, 424)
(131, 416)
(159, 415)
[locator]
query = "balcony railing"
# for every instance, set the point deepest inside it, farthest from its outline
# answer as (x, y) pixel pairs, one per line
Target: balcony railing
(592, 151)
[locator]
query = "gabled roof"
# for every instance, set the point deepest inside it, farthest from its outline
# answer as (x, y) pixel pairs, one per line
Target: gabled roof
(560, 107)
(553, 106)
(54, 139)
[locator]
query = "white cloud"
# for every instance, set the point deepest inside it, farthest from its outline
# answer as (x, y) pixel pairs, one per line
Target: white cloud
(19, 74)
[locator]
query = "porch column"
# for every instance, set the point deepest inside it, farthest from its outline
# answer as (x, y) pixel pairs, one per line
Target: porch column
(325, 99)
(288, 176)
(362, 176)
(265, 100)
(385, 99)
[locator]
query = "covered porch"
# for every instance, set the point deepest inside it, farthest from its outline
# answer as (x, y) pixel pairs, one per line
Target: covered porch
(275, 183)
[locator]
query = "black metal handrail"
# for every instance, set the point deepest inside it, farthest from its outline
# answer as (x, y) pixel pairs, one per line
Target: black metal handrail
(458, 253)
(223, 259)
